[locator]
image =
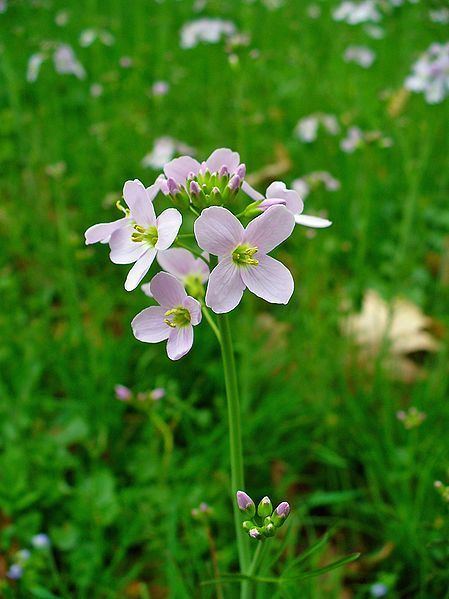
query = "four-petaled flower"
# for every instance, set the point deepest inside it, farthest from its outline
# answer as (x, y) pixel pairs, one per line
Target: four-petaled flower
(143, 234)
(173, 319)
(242, 255)
(277, 193)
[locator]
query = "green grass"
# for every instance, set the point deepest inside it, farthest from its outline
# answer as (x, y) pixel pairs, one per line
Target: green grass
(113, 487)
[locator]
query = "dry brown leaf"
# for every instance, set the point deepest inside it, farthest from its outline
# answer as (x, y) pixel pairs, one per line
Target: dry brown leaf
(400, 328)
(272, 171)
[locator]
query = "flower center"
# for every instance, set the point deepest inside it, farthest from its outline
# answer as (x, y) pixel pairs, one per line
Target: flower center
(149, 235)
(177, 317)
(243, 255)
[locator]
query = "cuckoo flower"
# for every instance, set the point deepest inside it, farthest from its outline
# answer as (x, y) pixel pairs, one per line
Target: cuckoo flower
(242, 255)
(143, 234)
(192, 272)
(215, 181)
(173, 319)
(277, 193)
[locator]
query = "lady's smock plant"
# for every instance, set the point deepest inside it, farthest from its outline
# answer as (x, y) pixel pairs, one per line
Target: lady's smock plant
(209, 266)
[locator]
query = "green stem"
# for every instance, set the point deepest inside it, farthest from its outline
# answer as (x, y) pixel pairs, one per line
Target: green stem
(211, 322)
(235, 441)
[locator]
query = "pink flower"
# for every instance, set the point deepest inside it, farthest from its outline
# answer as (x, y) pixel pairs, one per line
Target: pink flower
(242, 255)
(277, 193)
(122, 393)
(143, 235)
(173, 319)
(183, 265)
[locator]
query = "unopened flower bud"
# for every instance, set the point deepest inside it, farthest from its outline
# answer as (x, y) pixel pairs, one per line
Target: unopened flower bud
(241, 171)
(122, 393)
(224, 171)
(157, 393)
(247, 525)
(195, 189)
(246, 504)
(172, 186)
(264, 508)
(191, 175)
(280, 514)
(255, 533)
(234, 183)
(269, 530)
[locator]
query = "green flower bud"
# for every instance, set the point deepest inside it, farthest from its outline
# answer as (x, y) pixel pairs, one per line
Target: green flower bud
(264, 508)
(280, 514)
(247, 525)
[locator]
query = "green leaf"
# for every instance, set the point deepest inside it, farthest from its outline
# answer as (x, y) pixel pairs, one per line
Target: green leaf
(42, 593)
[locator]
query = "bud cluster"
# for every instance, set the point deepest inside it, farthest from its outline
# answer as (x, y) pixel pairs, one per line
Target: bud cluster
(263, 522)
(207, 188)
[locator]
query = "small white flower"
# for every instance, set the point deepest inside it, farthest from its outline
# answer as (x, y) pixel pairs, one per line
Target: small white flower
(163, 151)
(354, 13)
(361, 55)
(206, 30)
(430, 74)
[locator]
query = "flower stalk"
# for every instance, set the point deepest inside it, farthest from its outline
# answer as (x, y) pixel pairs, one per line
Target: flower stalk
(235, 439)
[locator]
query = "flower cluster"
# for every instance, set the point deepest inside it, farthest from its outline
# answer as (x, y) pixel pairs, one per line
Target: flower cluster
(235, 230)
(430, 74)
(307, 128)
(264, 521)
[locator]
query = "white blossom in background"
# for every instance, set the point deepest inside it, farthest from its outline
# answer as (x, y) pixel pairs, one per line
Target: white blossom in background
(160, 88)
(355, 13)
(430, 74)
(273, 4)
(440, 15)
(314, 11)
(126, 62)
(307, 128)
(361, 55)
(66, 62)
(376, 32)
(206, 30)
(62, 18)
(89, 36)
(3, 6)
(163, 151)
(304, 185)
(34, 66)
(356, 138)
(96, 90)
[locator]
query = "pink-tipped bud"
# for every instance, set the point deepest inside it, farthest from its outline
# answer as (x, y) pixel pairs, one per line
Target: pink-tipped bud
(254, 533)
(215, 190)
(234, 183)
(224, 171)
(191, 175)
(246, 504)
(268, 202)
(157, 393)
(241, 171)
(195, 189)
(122, 393)
(172, 186)
(280, 514)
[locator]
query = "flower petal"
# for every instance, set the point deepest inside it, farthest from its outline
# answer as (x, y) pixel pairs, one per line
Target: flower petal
(140, 269)
(293, 202)
(312, 221)
(225, 287)
(139, 202)
(218, 231)
(270, 229)
(146, 289)
(167, 290)
(123, 249)
(179, 168)
(168, 224)
(270, 280)
(223, 157)
(179, 342)
(103, 231)
(177, 261)
(251, 192)
(149, 325)
(194, 307)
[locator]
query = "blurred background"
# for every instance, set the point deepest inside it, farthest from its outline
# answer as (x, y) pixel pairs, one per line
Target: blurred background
(345, 390)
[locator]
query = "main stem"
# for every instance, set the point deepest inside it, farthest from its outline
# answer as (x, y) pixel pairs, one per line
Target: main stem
(235, 440)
